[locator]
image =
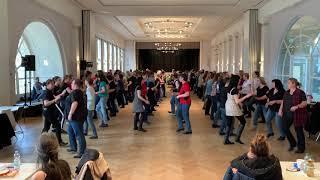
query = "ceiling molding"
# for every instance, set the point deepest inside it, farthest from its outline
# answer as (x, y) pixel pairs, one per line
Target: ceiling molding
(171, 5)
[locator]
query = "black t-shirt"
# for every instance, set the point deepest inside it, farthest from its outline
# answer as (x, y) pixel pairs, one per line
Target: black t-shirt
(112, 85)
(157, 82)
(48, 95)
(275, 97)
(79, 114)
(262, 92)
(223, 96)
(56, 90)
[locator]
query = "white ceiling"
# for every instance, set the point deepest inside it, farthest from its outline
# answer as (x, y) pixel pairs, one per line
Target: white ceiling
(127, 16)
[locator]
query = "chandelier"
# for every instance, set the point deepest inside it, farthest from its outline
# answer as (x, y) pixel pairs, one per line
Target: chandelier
(168, 28)
(167, 47)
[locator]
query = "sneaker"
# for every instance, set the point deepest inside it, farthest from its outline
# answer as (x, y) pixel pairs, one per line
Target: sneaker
(63, 143)
(136, 129)
(215, 126)
(299, 151)
(104, 125)
(222, 133)
(187, 132)
(169, 112)
(93, 137)
(269, 135)
(142, 130)
(227, 142)
(291, 148)
(281, 138)
(239, 141)
(180, 129)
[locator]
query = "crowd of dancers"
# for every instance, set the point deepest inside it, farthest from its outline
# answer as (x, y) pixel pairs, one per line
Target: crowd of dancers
(229, 96)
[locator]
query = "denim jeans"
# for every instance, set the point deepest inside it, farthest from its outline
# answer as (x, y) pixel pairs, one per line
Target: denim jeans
(183, 114)
(214, 108)
(75, 132)
(173, 102)
(223, 124)
(229, 175)
(259, 108)
(269, 116)
(101, 109)
(90, 122)
(218, 112)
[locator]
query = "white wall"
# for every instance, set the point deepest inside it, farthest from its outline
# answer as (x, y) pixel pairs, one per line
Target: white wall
(130, 55)
(4, 54)
(205, 55)
(21, 13)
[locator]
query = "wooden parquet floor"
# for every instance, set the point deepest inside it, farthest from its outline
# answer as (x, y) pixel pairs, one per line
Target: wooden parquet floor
(160, 153)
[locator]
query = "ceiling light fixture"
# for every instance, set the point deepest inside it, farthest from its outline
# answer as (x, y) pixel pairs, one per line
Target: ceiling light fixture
(168, 28)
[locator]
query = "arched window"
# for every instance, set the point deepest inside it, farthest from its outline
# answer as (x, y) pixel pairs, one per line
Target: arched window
(37, 39)
(299, 55)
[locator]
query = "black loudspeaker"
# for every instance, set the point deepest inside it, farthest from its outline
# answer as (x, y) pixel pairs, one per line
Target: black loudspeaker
(29, 62)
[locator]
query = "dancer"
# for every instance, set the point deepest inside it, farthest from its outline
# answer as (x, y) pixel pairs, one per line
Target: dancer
(233, 109)
(138, 107)
(294, 111)
(184, 105)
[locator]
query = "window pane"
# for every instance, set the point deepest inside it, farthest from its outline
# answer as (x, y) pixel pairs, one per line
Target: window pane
(114, 64)
(99, 54)
(105, 57)
(110, 55)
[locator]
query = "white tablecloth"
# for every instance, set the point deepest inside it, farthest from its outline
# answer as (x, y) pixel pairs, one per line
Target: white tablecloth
(25, 172)
(287, 175)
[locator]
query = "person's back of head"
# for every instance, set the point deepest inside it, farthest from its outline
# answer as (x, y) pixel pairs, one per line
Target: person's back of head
(47, 148)
(259, 146)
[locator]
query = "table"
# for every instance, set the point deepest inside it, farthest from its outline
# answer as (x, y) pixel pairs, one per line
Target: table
(287, 175)
(25, 172)
(8, 110)
(6, 131)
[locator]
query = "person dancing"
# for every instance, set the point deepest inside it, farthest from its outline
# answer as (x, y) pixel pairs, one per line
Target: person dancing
(138, 108)
(184, 105)
(233, 109)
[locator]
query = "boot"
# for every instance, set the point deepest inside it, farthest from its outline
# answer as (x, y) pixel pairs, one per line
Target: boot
(240, 130)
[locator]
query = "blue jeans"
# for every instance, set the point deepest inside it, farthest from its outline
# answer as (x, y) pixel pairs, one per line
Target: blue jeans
(101, 109)
(173, 102)
(90, 122)
(214, 108)
(183, 114)
(259, 108)
(223, 124)
(218, 112)
(269, 116)
(229, 175)
(75, 132)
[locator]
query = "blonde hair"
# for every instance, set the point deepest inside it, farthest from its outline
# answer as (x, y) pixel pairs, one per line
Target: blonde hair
(262, 80)
(259, 146)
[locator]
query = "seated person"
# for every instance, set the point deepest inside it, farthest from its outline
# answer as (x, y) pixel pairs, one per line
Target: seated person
(50, 167)
(36, 89)
(256, 164)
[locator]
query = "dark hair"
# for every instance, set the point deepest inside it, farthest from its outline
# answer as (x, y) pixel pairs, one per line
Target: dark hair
(109, 77)
(184, 76)
(49, 81)
(234, 81)
(101, 75)
(257, 73)
(278, 85)
(246, 75)
(259, 146)
(55, 78)
(78, 82)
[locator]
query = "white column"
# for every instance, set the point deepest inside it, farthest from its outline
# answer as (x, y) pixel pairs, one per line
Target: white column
(231, 54)
(237, 50)
(130, 56)
(5, 94)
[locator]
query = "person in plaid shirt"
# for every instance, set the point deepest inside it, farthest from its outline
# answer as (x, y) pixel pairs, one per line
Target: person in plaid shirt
(294, 111)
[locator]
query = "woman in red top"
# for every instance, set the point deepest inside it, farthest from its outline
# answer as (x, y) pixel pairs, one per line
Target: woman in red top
(184, 105)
